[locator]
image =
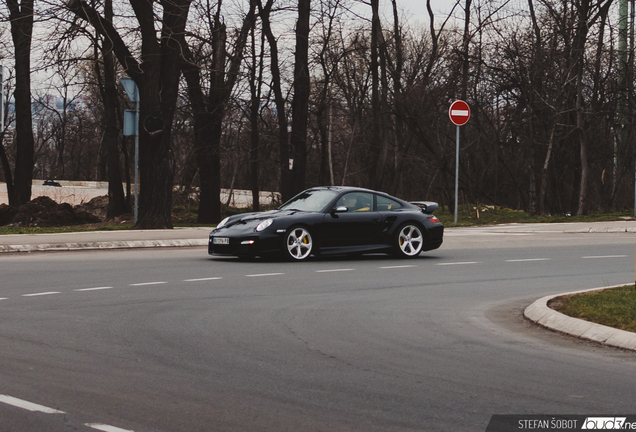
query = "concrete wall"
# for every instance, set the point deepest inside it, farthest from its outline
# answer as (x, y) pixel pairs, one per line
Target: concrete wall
(78, 192)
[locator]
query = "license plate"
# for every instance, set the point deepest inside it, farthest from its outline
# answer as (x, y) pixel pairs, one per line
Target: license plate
(221, 240)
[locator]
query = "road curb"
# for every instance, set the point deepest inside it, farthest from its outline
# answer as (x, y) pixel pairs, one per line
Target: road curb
(540, 313)
(602, 230)
(52, 247)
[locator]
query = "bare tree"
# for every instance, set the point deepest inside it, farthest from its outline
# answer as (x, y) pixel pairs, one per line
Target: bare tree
(111, 138)
(209, 112)
(161, 58)
(588, 12)
(265, 12)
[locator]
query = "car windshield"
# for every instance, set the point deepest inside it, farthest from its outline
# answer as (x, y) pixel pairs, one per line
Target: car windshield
(310, 200)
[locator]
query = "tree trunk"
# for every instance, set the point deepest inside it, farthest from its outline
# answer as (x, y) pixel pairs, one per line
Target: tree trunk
(544, 172)
(376, 137)
(6, 167)
(466, 51)
(579, 52)
(256, 80)
(300, 103)
(116, 197)
(158, 83)
(208, 154)
(21, 16)
(399, 147)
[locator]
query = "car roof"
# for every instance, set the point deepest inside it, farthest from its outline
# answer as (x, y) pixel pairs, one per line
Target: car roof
(341, 189)
(344, 189)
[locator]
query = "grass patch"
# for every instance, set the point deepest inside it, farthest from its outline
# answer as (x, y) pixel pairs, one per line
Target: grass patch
(473, 215)
(614, 307)
(57, 230)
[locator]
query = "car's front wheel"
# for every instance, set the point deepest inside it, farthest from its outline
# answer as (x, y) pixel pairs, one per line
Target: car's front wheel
(298, 244)
(409, 241)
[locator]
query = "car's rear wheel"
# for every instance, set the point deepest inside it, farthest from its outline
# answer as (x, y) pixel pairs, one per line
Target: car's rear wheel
(409, 241)
(298, 243)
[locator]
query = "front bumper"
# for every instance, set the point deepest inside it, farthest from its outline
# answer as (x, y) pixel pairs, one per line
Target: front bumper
(247, 245)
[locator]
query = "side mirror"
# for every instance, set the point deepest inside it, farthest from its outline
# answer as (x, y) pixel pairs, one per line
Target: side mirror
(339, 209)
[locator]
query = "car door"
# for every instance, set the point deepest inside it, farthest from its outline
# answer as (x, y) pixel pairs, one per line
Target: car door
(357, 226)
(389, 211)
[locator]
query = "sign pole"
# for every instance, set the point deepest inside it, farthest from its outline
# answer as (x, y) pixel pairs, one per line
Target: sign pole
(459, 114)
(133, 95)
(456, 173)
(136, 104)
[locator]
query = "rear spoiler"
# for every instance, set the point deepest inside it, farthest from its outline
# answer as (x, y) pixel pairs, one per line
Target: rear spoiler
(427, 207)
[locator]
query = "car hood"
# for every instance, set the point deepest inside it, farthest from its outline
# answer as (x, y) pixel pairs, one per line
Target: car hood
(259, 216)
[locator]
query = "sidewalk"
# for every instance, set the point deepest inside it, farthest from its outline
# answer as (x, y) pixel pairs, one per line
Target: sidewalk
(93, 240)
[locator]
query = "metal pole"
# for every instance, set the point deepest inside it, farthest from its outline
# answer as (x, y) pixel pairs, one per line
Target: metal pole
(136, 161)
(456, 173)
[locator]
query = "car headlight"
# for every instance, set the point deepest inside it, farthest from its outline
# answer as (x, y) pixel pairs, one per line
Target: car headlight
(265, 224)
(223, 222)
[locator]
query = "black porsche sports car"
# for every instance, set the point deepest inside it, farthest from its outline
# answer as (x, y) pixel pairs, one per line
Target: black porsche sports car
(329, 221)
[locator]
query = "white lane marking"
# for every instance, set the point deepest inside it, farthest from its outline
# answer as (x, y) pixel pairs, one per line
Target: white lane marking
(3, 298)
(398, 266)
(604, 256)
(202, 279)
(106, 428)
(19, 403)
(529, 259)
(148, 283)
(457, 263)
(335, 270)
(94, 289)
(264, 274)
(41, 294)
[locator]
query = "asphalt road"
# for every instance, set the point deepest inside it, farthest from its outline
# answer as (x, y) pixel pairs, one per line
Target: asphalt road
(172, 340)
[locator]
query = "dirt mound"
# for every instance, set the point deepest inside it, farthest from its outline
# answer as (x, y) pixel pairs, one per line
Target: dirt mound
(98, 207)
(44, 212)
(6, 214)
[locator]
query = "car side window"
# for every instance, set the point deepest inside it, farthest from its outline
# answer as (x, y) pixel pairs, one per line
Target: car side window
(356, 202)
(387, 204)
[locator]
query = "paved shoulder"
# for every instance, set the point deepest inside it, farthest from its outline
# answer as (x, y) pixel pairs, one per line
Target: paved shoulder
(540, 313)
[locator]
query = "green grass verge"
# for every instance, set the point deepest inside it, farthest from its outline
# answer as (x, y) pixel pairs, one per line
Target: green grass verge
(473, 215)
(57, 230)
(615, 307)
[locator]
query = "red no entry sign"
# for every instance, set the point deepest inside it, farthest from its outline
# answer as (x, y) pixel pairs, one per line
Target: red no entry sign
(459, 112)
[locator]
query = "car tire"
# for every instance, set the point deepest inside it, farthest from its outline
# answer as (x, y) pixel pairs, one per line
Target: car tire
(409, 240)
(298, 244)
